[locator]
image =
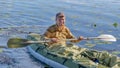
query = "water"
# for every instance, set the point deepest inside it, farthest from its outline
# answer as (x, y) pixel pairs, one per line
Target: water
(83, 17)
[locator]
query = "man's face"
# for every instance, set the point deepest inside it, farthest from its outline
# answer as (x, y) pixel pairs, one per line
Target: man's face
(60, 20)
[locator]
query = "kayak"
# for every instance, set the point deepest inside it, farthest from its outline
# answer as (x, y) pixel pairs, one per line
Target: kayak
(60, 60)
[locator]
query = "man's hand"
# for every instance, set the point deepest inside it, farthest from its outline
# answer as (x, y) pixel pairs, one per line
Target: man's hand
(54, 40)
(80, 38)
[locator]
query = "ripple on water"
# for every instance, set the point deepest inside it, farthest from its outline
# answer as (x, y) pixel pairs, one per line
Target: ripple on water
(16, 58)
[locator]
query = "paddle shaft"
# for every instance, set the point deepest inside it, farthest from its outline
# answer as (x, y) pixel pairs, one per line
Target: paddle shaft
(31, 42)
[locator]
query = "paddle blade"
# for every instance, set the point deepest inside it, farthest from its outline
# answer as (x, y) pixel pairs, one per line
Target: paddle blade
(107, 37)
(16, 43)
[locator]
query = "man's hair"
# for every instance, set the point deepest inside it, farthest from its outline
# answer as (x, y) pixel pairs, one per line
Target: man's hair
(60, 14)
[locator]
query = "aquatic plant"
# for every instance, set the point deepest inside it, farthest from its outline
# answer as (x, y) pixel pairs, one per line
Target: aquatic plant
(115, 24)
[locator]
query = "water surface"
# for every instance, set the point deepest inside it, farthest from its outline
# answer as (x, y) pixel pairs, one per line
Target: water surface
(83, 17)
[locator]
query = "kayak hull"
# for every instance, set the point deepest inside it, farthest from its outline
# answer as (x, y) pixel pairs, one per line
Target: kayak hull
(45, 60)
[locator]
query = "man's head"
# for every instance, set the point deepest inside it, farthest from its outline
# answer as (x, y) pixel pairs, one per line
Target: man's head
(60, 19)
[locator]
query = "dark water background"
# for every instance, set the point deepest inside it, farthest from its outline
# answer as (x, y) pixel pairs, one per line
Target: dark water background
(89, 18)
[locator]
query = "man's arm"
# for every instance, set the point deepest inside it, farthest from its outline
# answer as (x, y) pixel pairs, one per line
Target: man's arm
(71, 36)
(49, 32)
(49, 35)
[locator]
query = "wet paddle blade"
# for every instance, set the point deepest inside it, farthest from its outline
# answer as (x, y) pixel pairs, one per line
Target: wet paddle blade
(107, 37)
(16, 43)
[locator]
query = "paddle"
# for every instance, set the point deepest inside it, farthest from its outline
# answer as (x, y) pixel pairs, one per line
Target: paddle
(19, 42)
(104, 37)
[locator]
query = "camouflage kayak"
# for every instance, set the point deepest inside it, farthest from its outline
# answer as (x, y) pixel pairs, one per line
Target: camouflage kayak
(66, 56)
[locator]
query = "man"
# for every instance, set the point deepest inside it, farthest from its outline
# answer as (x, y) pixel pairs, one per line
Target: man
(59, 32)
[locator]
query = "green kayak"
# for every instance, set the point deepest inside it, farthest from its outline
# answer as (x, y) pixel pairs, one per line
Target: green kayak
(64, 56)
